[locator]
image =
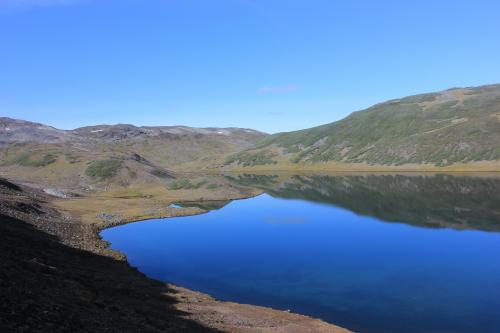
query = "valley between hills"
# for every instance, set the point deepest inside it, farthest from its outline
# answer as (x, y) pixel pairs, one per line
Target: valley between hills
(453, 130)
(61, 187)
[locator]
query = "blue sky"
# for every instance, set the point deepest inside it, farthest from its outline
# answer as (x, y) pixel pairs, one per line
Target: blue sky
(272, 65)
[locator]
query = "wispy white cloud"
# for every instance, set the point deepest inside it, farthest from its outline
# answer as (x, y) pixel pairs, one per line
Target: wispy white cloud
(278, 89)
(22, 4)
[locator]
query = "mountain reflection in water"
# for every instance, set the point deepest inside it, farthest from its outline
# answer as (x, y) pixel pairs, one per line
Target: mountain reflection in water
(434, 201)
(372, 253)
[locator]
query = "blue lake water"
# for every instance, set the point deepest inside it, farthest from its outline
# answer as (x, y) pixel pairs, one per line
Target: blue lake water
(397, 254)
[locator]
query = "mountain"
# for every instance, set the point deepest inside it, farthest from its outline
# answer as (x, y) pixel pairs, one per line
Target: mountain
(94, 157)
(456, 129)
(21, 131)
(459, 125)
(14, 130)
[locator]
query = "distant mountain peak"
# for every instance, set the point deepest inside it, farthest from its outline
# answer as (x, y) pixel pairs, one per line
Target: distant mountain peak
(22, 131)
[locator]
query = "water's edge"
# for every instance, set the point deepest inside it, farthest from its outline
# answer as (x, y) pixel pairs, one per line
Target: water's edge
(316, 324)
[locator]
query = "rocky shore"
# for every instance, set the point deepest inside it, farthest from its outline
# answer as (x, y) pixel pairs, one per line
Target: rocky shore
(57, 275)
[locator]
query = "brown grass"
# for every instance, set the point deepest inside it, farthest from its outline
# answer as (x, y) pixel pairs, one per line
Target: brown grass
(482, 166)
(142, 203)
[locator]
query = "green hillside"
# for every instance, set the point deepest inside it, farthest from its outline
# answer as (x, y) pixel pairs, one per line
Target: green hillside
(456, 125)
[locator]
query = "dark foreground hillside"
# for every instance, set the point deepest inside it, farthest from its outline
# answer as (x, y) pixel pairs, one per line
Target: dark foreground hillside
(46, 286)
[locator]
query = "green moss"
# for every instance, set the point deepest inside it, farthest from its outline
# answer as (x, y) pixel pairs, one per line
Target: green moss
(71, 158)
(247, 158)
(26, 159)
(104, 168)
(185, 184)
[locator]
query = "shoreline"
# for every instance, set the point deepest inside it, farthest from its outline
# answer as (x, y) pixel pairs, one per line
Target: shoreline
(276, 317)
(187, 308)
(334, 167)
(78, 221)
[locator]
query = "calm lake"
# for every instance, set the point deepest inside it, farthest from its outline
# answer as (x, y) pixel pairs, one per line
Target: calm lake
(370, 253)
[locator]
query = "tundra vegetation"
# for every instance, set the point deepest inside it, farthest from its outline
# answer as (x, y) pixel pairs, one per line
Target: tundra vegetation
(452, 126)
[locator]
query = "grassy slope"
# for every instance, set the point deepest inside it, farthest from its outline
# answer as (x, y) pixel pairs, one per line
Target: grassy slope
(454, 130)
(429, 130)
(62, 166)
(101, 165)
